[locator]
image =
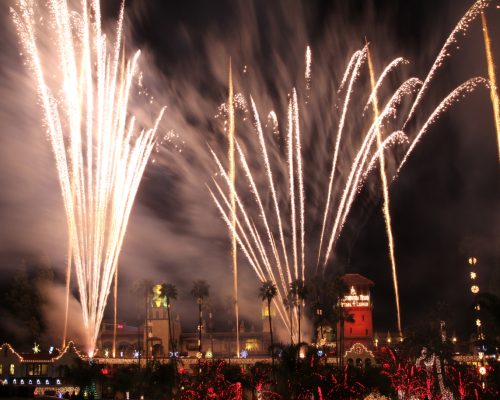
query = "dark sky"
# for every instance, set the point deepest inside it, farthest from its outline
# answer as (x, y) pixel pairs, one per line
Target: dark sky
(445, 203)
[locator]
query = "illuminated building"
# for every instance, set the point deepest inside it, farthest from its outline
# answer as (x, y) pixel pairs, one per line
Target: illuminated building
(40, 372)
(357, 302)
(128, 339)
(158, 337)
(253, 341)
(223, 344)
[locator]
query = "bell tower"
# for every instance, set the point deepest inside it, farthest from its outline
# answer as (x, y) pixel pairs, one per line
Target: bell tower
(357, 302)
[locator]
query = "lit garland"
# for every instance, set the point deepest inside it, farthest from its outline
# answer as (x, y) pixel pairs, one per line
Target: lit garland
(26, 359)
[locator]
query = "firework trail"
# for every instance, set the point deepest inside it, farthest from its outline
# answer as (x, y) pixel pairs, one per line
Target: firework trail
(258, 241)
(352, 69)
(100, 154)
(453, 97)
(461, 28)
(493, 79)
(307, 74)
(385, 191)
(232, 173)
(358, 168)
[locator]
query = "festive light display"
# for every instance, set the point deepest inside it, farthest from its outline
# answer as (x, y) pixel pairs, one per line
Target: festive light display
(355, 300)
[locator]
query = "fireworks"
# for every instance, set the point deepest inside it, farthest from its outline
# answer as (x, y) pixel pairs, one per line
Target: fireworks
(100, 154)
(232, 173)
(272, 224)
(493, 79)
(385, 191)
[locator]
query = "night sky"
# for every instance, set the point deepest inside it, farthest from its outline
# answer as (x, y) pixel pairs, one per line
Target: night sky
(444, 205)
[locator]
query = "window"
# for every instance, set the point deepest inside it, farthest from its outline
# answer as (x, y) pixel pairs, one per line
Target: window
(12, 369)
(37, 369)
(1, 369)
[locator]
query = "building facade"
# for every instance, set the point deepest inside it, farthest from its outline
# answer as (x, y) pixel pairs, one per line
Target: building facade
(36, 372)
(358, 303)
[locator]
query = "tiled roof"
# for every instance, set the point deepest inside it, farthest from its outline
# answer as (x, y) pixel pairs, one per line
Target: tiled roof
(356, 280)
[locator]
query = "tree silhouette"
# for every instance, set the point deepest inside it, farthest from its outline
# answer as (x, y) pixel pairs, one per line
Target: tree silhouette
(298, 291)
(169, 292)
(200, 291)
(268, 292)
(143, 288)
(289, 304)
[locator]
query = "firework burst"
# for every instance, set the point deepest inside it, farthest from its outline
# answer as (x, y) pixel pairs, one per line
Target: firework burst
(274, 227)
(100, 153)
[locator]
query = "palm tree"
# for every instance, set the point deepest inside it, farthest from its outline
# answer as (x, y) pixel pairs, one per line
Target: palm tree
(342, 316)
(169, 292)
(143, 288)
(200, 291)
(298, 291)
(490, 303)
(268, 291)
(323, 295)
(288, 303)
